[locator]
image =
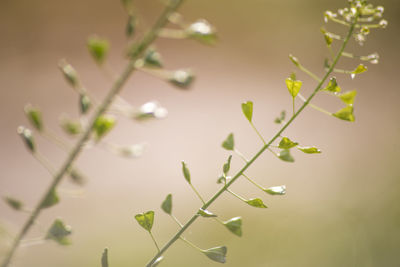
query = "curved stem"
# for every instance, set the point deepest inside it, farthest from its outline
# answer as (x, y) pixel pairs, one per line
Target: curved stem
(261, 151)
(137, 51)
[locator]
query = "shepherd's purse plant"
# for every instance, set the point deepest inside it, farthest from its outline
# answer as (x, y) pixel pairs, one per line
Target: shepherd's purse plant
(359, 18)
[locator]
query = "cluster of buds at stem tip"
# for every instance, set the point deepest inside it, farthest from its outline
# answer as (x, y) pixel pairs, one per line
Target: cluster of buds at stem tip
(369, 17)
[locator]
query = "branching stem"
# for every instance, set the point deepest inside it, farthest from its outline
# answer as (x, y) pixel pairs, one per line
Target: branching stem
(261, 151)
(117, 86)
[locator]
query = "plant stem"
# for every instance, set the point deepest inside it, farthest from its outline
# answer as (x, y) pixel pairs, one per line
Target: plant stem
(315, 107)
(53, 137)
(240, 154)
(261, 151)
(147, 40)
(309, 73)
(176, 220)
(44, 161)
(236, 195)
(253, 182)
(258, 133)
(191, 244)
(294, 109)
(197, 193)
(154, 240)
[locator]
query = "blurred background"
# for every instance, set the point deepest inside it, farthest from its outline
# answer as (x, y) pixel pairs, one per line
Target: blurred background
(341, 206)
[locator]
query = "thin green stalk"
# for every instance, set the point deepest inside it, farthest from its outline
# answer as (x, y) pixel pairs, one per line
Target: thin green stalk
(236, 195)
(309, 73)
(315, 107)
(77, 149)
(197, 193)
(154, 240)
(294, 108)
(45, 162)
(219, 220)
(240, 154)
(261, 151)
(176, 220)
(253, 182)
(191, 244)
(258, 133)
(53, 137)
(342, 71)
(273, 152)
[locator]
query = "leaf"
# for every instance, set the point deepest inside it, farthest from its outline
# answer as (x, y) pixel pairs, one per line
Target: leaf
(145, 220)
(104, 258)
(227, 165)
(247, 109)
(256, 202)
(294, 60)
(206, 213)
(286, 156)
(234, 225)
(98, 49)
(71, 127)
(182, 78)
(103, 125)
(276, 190)
(59, 232)
(229, 142)
(293, 86)
(35, 117)
(327, 36)
(14, 203)
(286, 143)
(348, 97)
(186, 172)
(217, 254)
(50, 200)
(84, 103)
(309, 149)
(166, 206)
(281, 118)
(27, 137)
(77, 177)
(345, 113)
(332, 86)
(326, 64)
(202, 31)
(360, 69)
(70, 73)
(152, 58)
